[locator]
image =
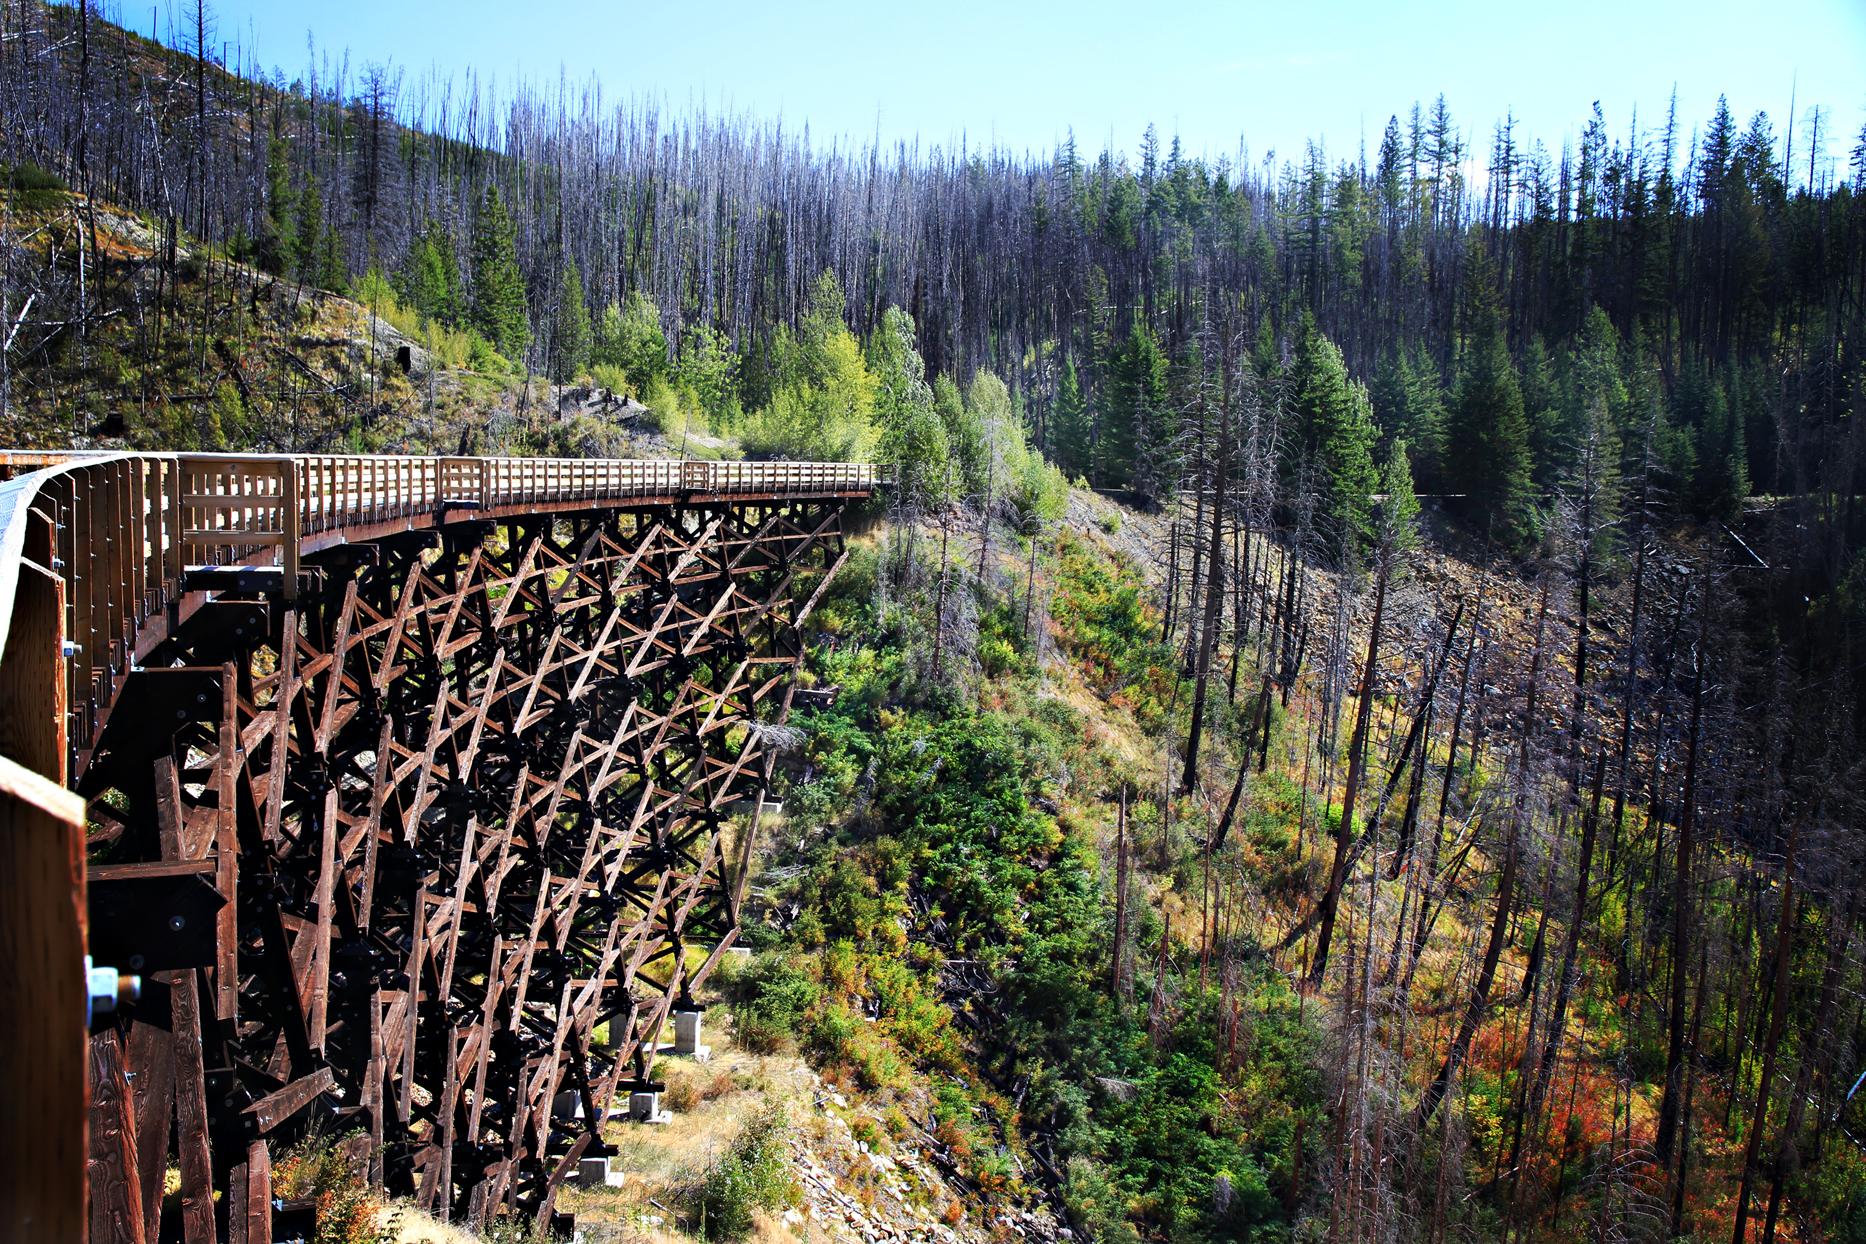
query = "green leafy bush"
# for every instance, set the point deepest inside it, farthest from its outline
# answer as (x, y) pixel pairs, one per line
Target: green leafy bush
(611, 377)
(751, 1175)
(774, 995)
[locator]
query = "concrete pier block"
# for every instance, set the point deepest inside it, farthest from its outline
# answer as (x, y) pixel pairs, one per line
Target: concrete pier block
(687, 1036)
(645, 1107)
(597, 1173)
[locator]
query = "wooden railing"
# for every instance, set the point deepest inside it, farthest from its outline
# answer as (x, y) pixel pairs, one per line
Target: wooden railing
(118, 534)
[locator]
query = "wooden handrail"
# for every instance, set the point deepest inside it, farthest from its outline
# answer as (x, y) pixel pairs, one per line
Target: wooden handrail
(125, 531)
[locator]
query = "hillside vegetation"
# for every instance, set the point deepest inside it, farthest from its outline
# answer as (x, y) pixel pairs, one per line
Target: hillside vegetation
(1349, 725)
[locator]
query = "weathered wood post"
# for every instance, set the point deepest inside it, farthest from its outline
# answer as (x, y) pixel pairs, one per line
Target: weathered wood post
(43, 1072)
(291, 524)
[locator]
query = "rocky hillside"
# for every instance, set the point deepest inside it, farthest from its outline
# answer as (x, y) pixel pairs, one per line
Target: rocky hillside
(160, 342)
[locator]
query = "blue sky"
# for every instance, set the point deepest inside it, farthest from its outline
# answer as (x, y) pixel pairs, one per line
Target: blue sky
(1022, 74)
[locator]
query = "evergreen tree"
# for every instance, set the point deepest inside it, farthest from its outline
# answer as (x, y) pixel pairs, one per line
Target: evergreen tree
(1396, 528)
(429, 281)
(570, 327)
(1070, 436)
(1132, 410)
(1595, 374)
(316, 258)
(911, 434)
(1488, 447)
(1265, 357)
(1751, 406)
(278, 230)
(498, 307)
(1410, 407)
(1549, 424)
(1331, 432)
(1720, 474)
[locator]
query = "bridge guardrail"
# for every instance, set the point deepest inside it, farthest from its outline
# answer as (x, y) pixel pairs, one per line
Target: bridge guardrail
(120, 531)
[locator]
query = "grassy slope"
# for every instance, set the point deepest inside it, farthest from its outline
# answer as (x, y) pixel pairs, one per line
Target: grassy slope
(215, 354)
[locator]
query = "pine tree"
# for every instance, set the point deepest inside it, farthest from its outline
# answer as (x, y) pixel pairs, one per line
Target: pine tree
(1409, 407)
(1488, 450)
(1543, 414)
(278, 231)
(912, 435)
(308, 237)
(498, 307)
(429, 281)
(1133, 410)
(1331, 431)
(1396, 527)
(1720, 470)
(1070, 435)
(1264, 355)
(570, 327)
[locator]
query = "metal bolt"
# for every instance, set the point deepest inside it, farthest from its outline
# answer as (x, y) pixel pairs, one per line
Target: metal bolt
(176, 923)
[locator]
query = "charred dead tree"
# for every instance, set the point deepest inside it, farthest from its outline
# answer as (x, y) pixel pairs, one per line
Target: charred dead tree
(1479, 1002)
(1671, 1103)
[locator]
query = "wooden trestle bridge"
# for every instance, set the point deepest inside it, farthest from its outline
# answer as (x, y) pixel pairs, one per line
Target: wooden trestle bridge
(409, 788)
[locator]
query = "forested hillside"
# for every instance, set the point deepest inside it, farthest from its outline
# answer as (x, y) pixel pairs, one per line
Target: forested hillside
(1409, 788)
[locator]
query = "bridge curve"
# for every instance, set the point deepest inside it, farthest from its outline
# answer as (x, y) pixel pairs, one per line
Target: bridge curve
(414, 791)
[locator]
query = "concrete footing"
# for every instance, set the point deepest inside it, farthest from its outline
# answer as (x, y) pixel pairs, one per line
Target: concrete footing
(645, 1107)
(597, 1173)
(687, 1036)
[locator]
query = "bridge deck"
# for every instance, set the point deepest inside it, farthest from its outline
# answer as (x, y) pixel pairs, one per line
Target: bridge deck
(126, 529)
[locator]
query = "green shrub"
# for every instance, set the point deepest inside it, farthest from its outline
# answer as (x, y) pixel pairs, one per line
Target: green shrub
(673, 409)
(842, 1036)
(373, 290)
(611, 377)
(37, 189)
(481, 357)
(1095, 1204)
(29, 176)
(751, 1175)
(774, 996)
